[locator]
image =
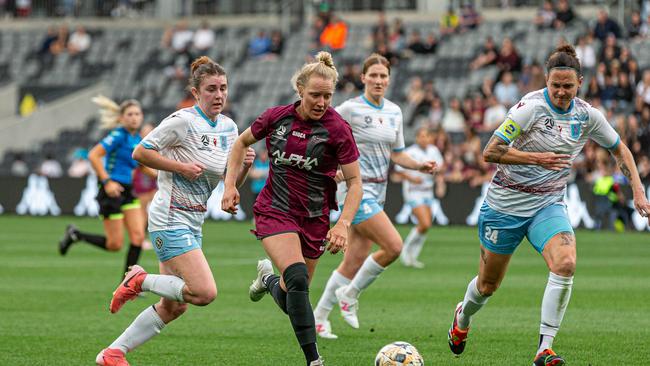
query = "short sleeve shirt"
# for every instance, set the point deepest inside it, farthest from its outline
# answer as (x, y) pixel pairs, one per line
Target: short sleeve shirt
(304, 156)
(119, 145)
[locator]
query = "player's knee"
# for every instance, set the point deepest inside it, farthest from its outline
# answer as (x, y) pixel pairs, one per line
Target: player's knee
(205, 297)
(137, 237)
(423, 227)
(114, 245)
(296, 277)
(486, 288)
(565, 267)
(393, 248)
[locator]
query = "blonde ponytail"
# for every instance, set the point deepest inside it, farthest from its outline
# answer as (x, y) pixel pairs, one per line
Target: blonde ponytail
(109, 112)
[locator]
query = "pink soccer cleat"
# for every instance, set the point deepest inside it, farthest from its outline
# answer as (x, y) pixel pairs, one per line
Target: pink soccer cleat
(129, 288)
(111, 357)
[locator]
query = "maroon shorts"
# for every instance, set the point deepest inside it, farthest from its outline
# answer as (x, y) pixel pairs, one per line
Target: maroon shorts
(311, 230)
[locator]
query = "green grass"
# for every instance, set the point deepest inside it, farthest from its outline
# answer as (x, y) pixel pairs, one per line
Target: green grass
(54, 311)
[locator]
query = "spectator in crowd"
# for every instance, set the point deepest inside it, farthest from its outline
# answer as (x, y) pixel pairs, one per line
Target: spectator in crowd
(643, 91)
(586, 54)
(259, 45)
(610, 49)
(494, 115)
(449, 23)
(350, 79)
(635, 25)
(79, 42)
(453, 122)
(645, 28)
(277, 43)
(506, 90)
(23, 8)
(50, 167)
(469, 17)
(606, 25)
(531, 79)
(19, 167)
(178, 38)
(487, 55)
(204, 38)
(436, 113)
(384, 50)
(397, 37)
(380, 30)
(422, 47)
(564, 14)
(415, 93)
(508, 58)
(334, 35)
(545, 17)
(80, 166)
(624, 91)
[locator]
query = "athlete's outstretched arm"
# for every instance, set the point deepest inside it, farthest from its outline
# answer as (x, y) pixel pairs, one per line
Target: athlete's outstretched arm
(625, 162)
(499, 151)
(234, 171)
(338, 235)
(404, 160)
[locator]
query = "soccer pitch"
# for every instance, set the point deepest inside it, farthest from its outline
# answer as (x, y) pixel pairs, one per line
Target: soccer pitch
(54, 310)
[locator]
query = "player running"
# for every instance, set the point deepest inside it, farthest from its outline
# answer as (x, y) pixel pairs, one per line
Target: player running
(306, 142)
(190, 149)
(112, 162)
(377, 127)
(534, 149)
(417, 190)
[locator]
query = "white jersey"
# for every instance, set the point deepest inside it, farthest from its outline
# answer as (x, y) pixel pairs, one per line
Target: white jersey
(535, 125)
(377, 132)
(412, 191)
(188, 135)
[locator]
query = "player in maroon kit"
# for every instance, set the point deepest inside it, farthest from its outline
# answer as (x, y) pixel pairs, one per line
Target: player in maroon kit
(306, 141)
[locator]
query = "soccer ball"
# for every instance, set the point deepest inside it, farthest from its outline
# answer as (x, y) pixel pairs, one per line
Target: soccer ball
(399, 354)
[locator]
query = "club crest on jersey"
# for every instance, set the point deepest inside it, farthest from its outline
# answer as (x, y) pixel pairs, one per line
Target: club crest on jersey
(576, 128)
(223, 141)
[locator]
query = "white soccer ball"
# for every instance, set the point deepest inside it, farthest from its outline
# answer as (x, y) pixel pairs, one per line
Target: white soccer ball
(399, 354)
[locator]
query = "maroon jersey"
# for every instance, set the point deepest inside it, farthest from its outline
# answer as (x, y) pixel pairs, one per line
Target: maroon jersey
(304, 157)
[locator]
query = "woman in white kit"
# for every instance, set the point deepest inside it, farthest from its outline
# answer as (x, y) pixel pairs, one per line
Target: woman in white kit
(417, 189)
(190, 150)
(377, 128)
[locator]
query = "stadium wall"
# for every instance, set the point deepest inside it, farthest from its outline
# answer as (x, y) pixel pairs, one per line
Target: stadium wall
(39, 196)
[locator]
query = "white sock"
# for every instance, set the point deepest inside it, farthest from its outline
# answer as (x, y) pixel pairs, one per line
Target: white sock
(410, 238)
(366, 275)
(472, 303)
(416, 245)
(328, 298)
(554, 304)
(169, 287)
(143, 328)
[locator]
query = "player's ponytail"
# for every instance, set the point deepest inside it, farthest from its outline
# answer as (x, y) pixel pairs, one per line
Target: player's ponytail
(564, 57)
(110, 112)
(323, 67)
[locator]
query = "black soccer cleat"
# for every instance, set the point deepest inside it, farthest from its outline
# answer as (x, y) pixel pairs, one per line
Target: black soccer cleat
(68, 239)
(548, 358)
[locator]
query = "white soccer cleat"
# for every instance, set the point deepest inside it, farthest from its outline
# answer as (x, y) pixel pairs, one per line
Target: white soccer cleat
(417, 264)
(349, 307)
(324, 329)
(257, 289)
(318, 362)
